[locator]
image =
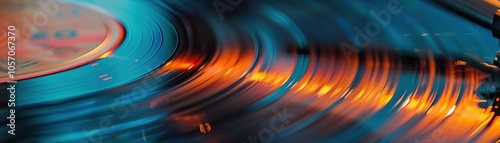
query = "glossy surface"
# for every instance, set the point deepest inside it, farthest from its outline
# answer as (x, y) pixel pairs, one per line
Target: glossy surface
(271, 71)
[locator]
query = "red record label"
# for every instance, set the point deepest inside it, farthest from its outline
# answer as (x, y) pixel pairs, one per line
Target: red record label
(53, 37)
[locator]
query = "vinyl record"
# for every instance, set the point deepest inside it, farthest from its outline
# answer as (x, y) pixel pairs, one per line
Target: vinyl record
(253, 71)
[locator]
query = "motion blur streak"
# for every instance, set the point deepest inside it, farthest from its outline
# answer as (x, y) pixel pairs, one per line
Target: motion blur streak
(271, 71)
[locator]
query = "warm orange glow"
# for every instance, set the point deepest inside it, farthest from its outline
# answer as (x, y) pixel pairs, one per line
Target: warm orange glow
(257, 76)
(451, 111)
(205, 127)
(178, 65)
(429, 98)
(105, 55)
(460, 63)
(495, 3)
(271, 78)
(377, 88)
(324, 90)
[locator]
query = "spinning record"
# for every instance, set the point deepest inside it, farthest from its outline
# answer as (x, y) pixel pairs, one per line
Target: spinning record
(99, 48)
(251, 71)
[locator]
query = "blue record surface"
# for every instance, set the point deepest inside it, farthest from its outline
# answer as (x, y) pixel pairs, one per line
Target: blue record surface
(269, 71)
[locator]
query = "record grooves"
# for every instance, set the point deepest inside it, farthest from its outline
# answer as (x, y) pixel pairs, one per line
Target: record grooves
(255, 71)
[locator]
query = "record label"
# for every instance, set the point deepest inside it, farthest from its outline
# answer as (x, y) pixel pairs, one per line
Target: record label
(54, 37)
